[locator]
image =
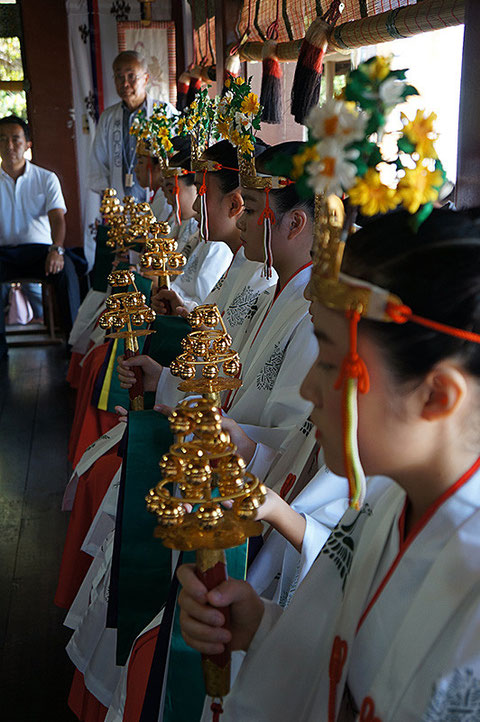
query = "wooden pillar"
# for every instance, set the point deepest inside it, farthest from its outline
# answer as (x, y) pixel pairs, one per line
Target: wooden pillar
(50, 100)
(182, 17)
(220, 42)
(468, 162)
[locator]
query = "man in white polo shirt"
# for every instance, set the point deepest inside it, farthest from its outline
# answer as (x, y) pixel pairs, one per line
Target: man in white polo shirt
(32, 224)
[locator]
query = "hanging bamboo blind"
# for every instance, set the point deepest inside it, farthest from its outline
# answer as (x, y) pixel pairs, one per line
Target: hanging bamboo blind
(402, 22)
(203, 21)
(294, 16)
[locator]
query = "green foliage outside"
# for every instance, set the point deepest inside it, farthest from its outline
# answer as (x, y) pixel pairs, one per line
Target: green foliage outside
(11, 102)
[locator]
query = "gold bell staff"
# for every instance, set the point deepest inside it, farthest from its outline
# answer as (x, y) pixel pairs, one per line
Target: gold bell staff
(128, 309)
(199, 467)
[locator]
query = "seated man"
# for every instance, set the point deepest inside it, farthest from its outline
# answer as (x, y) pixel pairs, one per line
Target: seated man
(32, 224)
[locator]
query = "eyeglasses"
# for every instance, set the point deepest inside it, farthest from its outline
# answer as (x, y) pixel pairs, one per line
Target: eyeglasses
(131, 78)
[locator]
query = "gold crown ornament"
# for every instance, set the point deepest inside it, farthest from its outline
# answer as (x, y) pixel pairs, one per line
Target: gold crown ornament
(207, 473)
(126, 311)
(341, 157)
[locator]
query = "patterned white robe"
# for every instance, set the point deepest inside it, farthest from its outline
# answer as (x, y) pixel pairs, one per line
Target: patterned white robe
(405, 613)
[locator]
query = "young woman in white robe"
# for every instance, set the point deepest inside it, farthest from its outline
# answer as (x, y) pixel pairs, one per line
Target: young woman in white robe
(284, 331)
(386, 624)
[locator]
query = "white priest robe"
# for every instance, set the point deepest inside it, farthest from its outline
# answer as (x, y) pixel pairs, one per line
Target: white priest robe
(240, 294)
(280, 351)
(105, 161)
(206, 264)
(382, 625)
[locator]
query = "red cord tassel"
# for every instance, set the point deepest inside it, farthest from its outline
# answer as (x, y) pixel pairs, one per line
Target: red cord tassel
(176, 193)
(217, 710)
(267, 217)
(202, 192)
(193, 88)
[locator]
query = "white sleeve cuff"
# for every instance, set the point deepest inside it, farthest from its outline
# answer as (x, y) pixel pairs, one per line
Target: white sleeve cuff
(271, 614)
(261, 461)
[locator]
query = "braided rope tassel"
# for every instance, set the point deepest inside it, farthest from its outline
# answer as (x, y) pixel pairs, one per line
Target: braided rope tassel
(176, 193)
(202, 192)
(354, 379)
(217, 710)
(267, 217)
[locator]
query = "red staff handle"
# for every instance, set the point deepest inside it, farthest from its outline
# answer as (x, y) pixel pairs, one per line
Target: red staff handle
(136, 391)
(212, 570)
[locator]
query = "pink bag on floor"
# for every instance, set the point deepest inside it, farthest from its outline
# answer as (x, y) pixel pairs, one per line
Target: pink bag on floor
(20, 311)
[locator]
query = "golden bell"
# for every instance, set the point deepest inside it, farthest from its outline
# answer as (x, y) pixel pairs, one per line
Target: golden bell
(105, 321)
(193, 492)
(186, 344)
(112, 303)
(150, 315)
(199, 347)
(209, 515)
(170, 466)
(246, 507)
(145, 261)
(210, 318)
(194, 319)
(169, 245)
(197, 472)
(231, 367)
(231, 466)
(222, 344)
(119, 321)
(170, 513)
(207, 423)
(175, 368)
(138, 318)
(210, 371)
(179, 423)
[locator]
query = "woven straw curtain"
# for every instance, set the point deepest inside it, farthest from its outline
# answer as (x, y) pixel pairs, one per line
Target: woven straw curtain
(203, 21)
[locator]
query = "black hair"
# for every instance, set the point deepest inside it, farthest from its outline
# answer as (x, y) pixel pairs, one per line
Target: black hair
(435, 271)
(181, 159)
(15, 120)
(285, 199)
(226, 154)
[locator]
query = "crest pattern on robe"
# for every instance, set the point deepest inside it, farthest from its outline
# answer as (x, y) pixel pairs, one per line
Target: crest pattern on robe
(456, 698)
(340, 546)
(268, 374)
(243, 307)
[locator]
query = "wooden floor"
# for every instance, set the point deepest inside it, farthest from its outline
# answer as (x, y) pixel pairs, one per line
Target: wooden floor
(36, 408)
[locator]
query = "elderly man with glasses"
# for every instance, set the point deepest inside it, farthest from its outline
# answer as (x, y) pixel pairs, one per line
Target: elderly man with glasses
(112, 160)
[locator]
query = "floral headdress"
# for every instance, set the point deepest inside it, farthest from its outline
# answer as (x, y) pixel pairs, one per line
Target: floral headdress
(198, 121)
(343, 155)
(239, 116)
(154, 134)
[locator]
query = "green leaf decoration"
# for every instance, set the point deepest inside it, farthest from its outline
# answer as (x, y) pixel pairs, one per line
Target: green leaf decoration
(416, 220)
(405, 145)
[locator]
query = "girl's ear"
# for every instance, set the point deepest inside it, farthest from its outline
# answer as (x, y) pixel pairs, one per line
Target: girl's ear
(446, 389)
(297, 221)
(235, 204)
